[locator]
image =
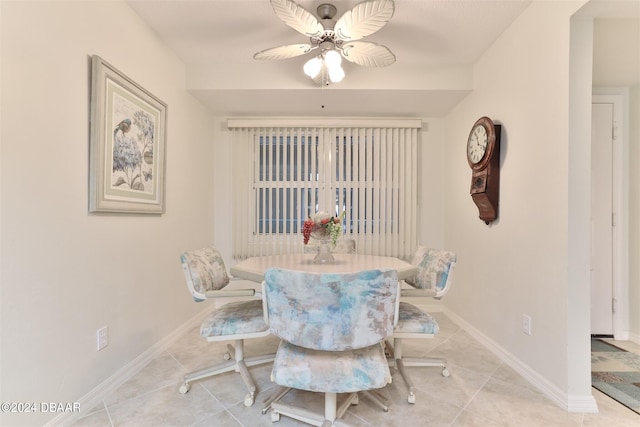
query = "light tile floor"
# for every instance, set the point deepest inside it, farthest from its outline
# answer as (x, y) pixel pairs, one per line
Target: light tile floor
(481, 392)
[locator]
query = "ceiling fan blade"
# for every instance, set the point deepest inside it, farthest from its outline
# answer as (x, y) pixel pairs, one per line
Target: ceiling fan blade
(297, 17)
(364, 19)
(284, 52)
(368, 54)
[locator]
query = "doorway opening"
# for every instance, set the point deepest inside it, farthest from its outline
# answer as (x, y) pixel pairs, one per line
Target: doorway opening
(609, 253)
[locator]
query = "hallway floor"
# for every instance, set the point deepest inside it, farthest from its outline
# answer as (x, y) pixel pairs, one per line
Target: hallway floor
(482, 391)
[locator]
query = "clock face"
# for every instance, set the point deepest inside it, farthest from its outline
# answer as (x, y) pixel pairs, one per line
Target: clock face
(477, 144)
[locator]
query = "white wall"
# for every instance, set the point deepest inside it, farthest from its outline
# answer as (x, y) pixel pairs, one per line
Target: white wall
(65, 272)
(521, 264)
(432, 188)
(634, 213)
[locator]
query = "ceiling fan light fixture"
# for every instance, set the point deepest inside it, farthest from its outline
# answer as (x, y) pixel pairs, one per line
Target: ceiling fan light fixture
(332, 58)
(336, 73)
(312, 67)
(322, 78)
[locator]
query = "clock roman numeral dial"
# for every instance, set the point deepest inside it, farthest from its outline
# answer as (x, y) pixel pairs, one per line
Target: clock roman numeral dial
(477, 144)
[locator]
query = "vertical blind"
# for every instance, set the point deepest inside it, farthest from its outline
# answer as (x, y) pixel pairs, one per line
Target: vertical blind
(284, 171)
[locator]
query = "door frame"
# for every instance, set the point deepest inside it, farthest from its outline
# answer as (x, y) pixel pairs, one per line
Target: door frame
(620, 183)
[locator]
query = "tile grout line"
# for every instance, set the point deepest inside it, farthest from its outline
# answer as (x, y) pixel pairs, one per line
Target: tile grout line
(104, 403)
(476, 393)
(224, 407)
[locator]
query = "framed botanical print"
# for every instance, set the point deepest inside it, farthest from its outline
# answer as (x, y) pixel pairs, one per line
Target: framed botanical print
(127, 146)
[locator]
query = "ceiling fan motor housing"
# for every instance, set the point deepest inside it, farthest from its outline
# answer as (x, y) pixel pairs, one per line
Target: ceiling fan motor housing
(326, 11)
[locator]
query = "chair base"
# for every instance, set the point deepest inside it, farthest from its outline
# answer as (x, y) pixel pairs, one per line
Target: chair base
(238, 364)
(375, 395)
(277, 395)
(378, 399)
(400, 362)
(331, 410)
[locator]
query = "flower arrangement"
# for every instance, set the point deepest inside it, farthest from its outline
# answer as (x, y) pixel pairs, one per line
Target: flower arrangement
(322, 225)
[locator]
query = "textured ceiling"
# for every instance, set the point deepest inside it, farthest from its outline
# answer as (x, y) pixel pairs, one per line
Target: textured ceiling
(435, 43)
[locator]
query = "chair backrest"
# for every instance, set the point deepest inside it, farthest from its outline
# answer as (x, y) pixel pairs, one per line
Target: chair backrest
(204, 270)
(331, 311)
(435, 270)
(345, 246)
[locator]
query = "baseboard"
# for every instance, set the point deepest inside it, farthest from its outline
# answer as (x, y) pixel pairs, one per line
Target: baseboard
(585, 404)
(427, 306)
(634, 338)
(99, 393)
(569, 403)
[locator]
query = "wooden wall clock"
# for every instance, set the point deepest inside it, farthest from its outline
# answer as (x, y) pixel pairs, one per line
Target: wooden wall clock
(483, 155)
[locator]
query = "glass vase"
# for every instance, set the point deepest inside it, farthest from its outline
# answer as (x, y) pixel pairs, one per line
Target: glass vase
(324, 255)
(323, 238)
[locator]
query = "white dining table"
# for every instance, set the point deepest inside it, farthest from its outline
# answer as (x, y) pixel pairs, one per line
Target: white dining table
(253, 269)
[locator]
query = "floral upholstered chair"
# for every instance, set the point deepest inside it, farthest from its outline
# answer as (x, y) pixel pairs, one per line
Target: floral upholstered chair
(206, 276)
(332, 328)
(433, 279)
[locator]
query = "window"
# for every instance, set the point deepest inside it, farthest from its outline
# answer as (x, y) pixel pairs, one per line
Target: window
(282, 174)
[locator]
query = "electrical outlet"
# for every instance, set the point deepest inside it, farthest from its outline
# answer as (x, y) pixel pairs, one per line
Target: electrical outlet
(103, 337)
(526, 324)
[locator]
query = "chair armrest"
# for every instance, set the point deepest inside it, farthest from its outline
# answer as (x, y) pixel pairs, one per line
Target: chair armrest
(432, 293)
(265, 309)
(230, 293)
(417, 293)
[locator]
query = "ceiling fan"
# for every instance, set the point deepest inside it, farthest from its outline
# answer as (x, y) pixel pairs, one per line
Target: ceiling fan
(334, 39)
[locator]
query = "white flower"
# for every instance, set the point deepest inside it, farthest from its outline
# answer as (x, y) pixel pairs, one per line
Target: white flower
(321, 216)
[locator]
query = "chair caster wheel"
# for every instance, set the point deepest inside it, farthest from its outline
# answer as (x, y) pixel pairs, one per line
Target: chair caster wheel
(248, 400)
(356, 400)
(446, 373)
(411, 398)
(275, 416)
(184, 388)
(227, 356)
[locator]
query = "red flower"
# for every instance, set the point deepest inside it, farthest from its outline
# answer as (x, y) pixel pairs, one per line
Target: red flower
(307, 227)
